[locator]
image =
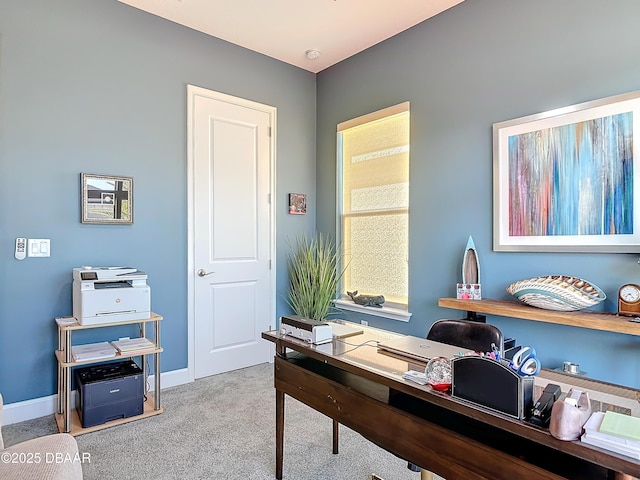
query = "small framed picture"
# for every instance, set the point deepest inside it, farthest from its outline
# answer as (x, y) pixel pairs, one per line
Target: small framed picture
(106, 199)
(298, 203)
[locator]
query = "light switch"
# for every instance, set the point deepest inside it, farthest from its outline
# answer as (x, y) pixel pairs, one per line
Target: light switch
(39, 247)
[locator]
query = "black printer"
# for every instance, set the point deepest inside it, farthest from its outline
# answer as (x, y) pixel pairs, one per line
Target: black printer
(109, 391)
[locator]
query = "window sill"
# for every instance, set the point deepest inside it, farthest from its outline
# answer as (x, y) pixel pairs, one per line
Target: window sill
(386, 312)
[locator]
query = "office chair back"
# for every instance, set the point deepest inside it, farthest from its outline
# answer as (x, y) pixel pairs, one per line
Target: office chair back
(467, 334)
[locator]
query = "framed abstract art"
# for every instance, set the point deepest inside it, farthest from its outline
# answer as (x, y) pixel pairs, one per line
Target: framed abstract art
(566, 180)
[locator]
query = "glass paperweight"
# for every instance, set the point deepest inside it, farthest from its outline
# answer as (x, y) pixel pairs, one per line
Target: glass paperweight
(438, 373)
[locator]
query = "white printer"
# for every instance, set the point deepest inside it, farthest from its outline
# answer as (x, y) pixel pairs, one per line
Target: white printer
(110, 294)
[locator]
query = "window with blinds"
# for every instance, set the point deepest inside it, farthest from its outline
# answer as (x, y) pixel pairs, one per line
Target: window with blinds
(373, 190)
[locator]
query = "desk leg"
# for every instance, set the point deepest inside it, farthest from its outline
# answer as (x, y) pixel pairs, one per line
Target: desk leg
(335, 437)
(279, 432)
(426, 475)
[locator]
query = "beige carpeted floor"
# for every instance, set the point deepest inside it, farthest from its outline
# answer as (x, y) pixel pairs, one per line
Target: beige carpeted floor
(223, 427)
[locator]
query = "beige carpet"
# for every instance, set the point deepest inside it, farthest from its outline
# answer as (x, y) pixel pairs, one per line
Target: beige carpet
(223, 427)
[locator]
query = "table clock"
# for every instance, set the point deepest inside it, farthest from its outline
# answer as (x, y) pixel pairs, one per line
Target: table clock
(629, 299)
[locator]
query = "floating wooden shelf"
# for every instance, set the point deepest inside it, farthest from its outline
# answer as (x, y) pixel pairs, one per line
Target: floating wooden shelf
(609, 322)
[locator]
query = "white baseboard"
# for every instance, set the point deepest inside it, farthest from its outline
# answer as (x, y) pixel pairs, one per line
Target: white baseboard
(43, 406)
(28, 409)
(172, 378)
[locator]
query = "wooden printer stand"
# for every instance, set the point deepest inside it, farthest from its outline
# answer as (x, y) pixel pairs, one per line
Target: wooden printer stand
(67, 417)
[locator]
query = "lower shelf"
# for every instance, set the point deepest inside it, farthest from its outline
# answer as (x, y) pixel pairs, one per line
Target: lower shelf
(78, 429)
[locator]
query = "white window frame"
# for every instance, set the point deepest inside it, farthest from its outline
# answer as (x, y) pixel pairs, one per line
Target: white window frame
(389, 310)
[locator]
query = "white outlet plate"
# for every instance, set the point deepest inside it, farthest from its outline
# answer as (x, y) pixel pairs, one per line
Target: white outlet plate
(39, 247)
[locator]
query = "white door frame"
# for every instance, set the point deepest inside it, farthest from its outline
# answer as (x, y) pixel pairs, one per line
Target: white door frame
(192, 92)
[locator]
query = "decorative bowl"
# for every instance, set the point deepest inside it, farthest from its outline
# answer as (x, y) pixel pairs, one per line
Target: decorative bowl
(557, 292)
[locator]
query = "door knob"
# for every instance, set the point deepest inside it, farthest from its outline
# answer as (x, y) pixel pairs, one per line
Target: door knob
(203, 273)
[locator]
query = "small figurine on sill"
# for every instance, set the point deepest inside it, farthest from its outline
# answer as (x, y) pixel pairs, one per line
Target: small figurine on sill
(367, 300)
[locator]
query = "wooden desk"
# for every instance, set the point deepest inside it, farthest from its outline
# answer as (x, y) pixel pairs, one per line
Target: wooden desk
(354, 384)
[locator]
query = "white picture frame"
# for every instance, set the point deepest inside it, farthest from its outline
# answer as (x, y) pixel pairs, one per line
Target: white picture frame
(553, 191)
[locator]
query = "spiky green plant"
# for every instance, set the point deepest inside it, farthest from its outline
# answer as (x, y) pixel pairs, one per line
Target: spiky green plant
(313, 274)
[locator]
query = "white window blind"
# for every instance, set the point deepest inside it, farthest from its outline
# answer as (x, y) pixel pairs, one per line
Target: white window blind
(373, 161)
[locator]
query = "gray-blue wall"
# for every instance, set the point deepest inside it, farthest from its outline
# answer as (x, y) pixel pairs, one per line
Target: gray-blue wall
(482, 62)
(97, 86)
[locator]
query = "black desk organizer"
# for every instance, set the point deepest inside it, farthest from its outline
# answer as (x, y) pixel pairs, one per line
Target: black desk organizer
(491, 384)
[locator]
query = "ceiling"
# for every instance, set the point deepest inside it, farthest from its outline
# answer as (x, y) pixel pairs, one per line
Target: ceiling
(287, 29)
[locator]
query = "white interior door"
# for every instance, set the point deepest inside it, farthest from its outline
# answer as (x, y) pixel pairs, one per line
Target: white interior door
(232, 231)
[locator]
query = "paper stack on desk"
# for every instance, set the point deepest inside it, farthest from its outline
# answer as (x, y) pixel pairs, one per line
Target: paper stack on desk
(93, 351)
(415, 376)
(614, 431)
(127, 345)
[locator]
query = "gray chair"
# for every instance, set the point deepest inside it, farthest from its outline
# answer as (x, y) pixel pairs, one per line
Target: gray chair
(52, 457)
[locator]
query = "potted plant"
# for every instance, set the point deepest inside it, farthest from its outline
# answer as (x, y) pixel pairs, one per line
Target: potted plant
(313, 274)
